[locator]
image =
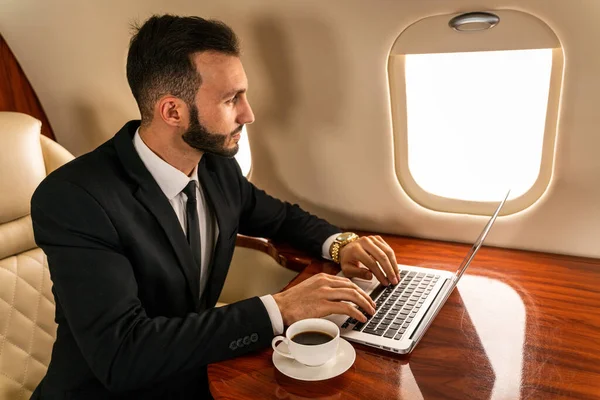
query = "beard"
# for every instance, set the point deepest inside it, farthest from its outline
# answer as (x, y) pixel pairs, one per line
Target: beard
(200, 138)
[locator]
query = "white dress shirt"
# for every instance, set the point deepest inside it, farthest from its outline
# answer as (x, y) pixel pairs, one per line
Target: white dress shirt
(172, 181)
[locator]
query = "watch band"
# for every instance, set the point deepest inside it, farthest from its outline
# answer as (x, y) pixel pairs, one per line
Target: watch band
(340, 242)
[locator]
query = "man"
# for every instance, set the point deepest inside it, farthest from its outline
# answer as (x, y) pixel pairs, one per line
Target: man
(140, 232)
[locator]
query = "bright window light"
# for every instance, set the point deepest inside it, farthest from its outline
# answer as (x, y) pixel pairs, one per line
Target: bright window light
(476, 121)
(243, 156)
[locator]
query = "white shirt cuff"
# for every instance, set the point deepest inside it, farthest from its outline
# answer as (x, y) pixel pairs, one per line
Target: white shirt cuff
(274, 313)
(327, 246)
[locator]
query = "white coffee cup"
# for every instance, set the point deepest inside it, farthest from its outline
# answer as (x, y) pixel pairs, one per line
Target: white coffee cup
(309, 354)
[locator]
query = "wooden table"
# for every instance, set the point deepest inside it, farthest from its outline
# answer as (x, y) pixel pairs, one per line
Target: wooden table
(520, 325)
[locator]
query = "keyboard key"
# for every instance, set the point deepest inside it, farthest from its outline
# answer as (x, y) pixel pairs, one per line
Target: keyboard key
(390, 334)
(358, 326)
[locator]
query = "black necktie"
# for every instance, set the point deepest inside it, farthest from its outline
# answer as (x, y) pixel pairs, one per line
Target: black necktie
(193, 226)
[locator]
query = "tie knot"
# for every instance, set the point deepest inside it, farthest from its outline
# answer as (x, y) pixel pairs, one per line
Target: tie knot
(190, 191)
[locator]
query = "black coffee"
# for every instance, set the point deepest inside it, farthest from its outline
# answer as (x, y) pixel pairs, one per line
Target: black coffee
(312, 338)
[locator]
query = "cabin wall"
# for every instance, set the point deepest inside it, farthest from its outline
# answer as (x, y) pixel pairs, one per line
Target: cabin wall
(318, 85)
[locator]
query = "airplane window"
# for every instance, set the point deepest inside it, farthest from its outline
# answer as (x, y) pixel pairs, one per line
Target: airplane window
(474, 113)
(243, 156)
(476, 121)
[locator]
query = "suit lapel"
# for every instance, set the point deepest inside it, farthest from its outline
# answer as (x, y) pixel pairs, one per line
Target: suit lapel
(221, 256)
(151, 196)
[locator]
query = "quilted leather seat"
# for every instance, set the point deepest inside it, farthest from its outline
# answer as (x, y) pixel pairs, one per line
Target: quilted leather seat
(27, 328)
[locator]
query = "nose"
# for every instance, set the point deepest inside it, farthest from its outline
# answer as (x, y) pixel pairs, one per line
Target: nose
(245, 116)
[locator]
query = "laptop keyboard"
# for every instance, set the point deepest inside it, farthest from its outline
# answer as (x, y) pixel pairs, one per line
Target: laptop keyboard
(396, 305)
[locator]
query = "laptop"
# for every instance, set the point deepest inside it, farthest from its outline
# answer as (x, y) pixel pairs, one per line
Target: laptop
(405, 311)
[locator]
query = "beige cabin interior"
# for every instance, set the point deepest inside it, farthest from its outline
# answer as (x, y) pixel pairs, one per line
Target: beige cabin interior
(324, 136)
(319, 89)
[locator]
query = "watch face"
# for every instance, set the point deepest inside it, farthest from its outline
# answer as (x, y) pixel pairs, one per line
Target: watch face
(344, 236)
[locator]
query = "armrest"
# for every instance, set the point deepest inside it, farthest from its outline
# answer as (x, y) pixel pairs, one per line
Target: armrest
(283, 254)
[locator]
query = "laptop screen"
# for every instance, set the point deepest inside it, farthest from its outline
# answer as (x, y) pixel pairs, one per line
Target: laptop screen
(471, 254)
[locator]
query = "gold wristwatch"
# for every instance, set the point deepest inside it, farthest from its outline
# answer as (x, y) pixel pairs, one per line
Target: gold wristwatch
(338, 244)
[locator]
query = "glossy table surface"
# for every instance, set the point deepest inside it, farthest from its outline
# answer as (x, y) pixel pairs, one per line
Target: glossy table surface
(519, 325)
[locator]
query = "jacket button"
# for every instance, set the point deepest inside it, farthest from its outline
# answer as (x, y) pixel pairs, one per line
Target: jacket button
(247, 340)
(233, 345)
(254, 338)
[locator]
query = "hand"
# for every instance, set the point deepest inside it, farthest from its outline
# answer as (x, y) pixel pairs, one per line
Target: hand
(369, 251)
(322, 295)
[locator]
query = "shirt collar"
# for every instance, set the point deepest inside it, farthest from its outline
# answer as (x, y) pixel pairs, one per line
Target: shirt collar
(170, 180)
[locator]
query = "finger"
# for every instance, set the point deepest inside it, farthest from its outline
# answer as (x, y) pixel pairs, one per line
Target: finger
(346, 309)
(353, 296)
(351, 271)
(377, 250)
(364, 257)
(391, 272)
(340, 282)
(388, 251)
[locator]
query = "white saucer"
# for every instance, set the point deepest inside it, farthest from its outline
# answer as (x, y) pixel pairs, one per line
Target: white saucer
(336, 366)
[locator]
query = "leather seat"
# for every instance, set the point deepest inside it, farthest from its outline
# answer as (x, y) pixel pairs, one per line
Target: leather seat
(27, 328)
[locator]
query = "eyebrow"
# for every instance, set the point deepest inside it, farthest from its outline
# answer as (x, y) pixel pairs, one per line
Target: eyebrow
(231, 93)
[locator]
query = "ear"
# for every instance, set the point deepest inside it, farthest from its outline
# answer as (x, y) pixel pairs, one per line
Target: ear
(173, 111)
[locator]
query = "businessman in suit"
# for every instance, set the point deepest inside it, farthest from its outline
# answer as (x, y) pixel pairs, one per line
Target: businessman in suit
(139, 233)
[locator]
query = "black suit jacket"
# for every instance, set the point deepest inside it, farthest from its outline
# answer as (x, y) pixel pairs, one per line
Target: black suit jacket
(130, 322)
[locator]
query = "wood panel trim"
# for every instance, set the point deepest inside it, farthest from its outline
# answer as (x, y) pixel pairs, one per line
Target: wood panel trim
(16, 93)
(283, 254)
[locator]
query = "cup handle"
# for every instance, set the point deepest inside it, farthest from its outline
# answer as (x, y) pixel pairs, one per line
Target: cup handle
(274, 345)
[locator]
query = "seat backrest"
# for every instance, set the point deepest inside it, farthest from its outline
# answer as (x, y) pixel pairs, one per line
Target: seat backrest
(27, 327)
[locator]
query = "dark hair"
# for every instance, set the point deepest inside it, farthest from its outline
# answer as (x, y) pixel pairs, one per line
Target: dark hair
(160, 61)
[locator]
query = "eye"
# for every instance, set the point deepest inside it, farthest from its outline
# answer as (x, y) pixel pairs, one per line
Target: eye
(233, 100)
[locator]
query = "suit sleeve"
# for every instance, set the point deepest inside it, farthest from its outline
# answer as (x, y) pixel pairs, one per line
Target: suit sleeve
(265, 216)
(95, 287)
